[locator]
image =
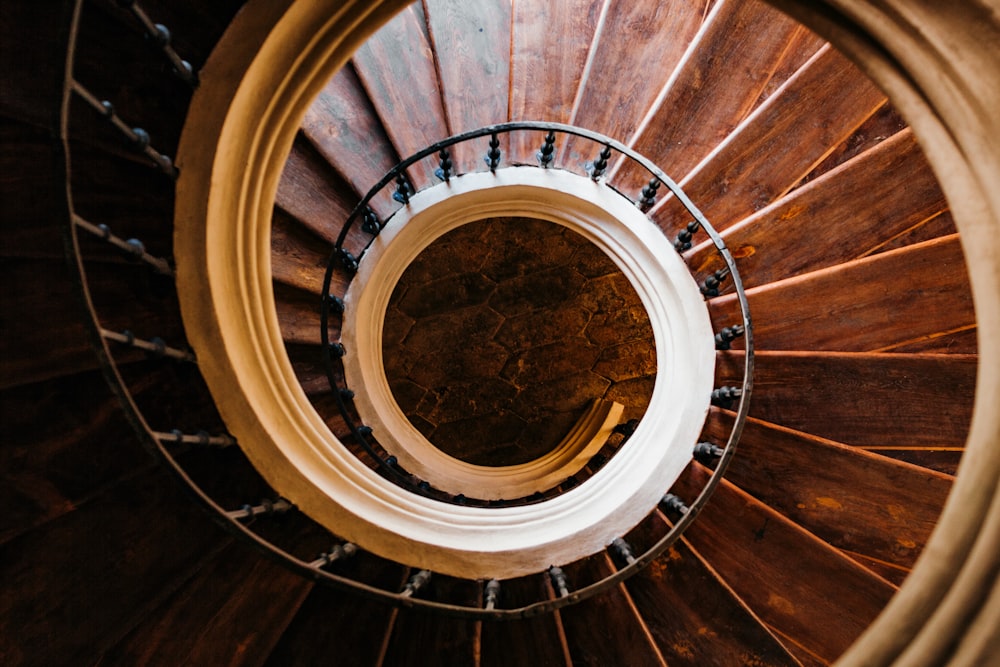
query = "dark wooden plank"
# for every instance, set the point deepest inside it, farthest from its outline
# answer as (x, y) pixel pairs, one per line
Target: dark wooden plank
(864, 400)
(471, 44)
(205, 622)
(778, 144)
(534, 641)
(796, 583)
(882, 124)
(339, 626)
(719, 81)
(842, 215)
(628, 66)
(299, 316)
(940, 225)
(942, 459)
(891, 572)
(345, 128)
(867, 305)
(801, 46)
(396, 68)
(74, 585)
(963, 341)
(299, 257)
(421, 638)
(856, 501)
(549, 46)
(312, 192)
(694, 617)
(606, 629)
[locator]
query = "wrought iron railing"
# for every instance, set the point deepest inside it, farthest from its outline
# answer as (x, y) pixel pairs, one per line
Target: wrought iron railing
(180, 445)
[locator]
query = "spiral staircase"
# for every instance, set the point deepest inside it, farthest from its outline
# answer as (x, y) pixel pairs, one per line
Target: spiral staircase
(864, 333)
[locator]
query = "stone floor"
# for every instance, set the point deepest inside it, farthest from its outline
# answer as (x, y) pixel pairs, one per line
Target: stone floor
(500, 334)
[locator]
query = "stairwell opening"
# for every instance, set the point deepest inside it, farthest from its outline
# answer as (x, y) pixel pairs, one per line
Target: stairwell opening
(501, 333)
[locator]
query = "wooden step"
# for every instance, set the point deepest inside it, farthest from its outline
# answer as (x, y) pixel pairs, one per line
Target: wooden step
(549, 46)
(843, 215)
(299, 316)
(694, 616)
(778, 144)
(538, 640)
(396, 68)
(628, 64)
(864, 400)
(299, 257)
(857, 501)
(717, 83)
(868, 305)
(815, 597)
(471, 44)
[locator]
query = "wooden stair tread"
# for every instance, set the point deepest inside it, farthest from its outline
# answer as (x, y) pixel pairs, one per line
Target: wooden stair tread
(549, 46)
(299, 257)
(300, 318)
(796, 583)
(778, 144)
(537, 640)
(620, 84)
(867, 305)
(854, 500)
(843, 215)
(717, 83)
(695, 617)
(859, 399)
(471, 44)
(396, 68)
(205, 622)
(345, 128)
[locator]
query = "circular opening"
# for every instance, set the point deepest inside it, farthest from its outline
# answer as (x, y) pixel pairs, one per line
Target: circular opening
(501, 333)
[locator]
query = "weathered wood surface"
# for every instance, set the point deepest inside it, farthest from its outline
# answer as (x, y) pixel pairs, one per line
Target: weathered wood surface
(299, 316)
(778, 144)
(549, 46)
(796, 583)
(396, 67)
(344, 127)
(894, 574)
(312, 192)
(694, 617)
(636, 47)
(471, 42)
(73, 586)
(337, 626)
(206, 621)
(801, 46)
(854, 500)
(606, 629)
(529, 641)
(867, 305)
(865, 400)
(717, 83)
(845, 214)
(299, 257)
(419, 638)
(942, 459)
(940, 225)
(882, 124)
(64, 440)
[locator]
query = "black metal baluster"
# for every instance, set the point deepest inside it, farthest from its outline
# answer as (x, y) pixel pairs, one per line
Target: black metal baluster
(683, 240)
(416, 582)
(338, 552)
(492, 594)
(403, 189)
(558, 578)
(623, 550)
(370, 223)
(724, 339)
(710, 287)
(545, 153)
(708, 453)
(161, 36)
(155, 346)
(266, 508)
(137, 136)
(724, 397)
(673, 506)
(336, 304)
(492, 158)
(597, 167)
(444, 171)
(201, 438)
(347, 260)
(648, 197)
(133, 247)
